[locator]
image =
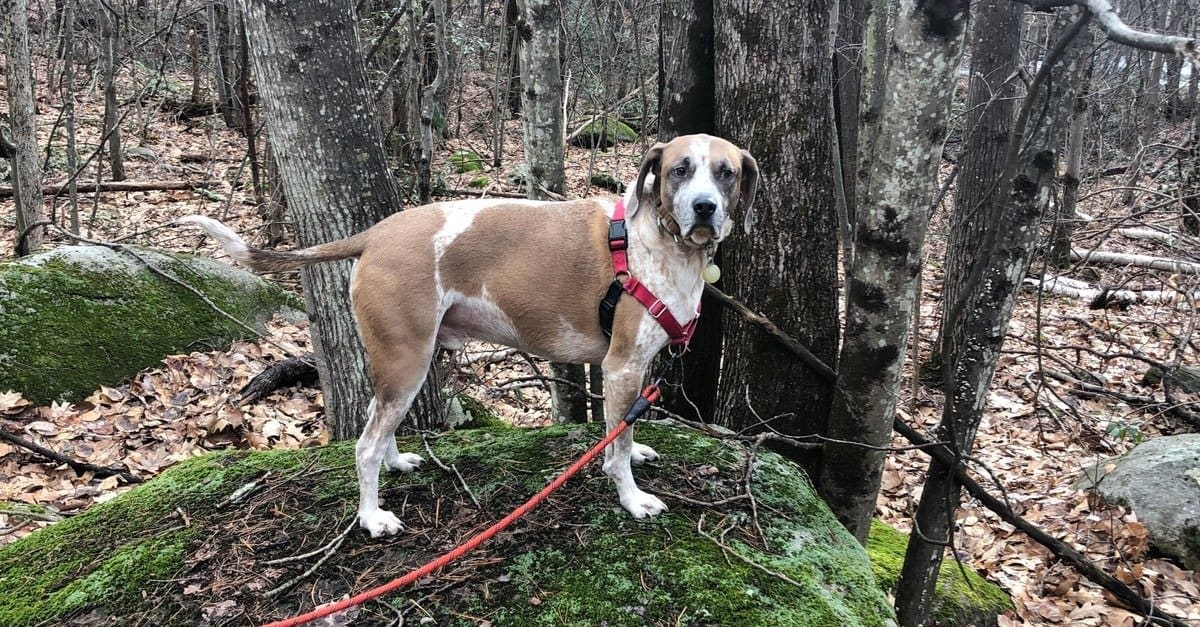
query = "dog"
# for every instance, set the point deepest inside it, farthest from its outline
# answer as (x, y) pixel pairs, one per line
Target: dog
(530, 275)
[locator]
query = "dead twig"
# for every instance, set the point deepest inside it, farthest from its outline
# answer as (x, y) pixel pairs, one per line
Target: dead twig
(78, 466)
(328, 550)
(326, 547)
(451, 468)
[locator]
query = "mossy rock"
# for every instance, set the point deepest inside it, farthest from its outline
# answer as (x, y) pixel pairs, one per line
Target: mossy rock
(464, 161)
(194, 544)
(479, 182)
(604, 132)
(962, 597)
(78, 317)
(604, 180)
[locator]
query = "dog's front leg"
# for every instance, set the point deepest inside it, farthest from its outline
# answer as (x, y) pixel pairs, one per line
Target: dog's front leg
(622, 382)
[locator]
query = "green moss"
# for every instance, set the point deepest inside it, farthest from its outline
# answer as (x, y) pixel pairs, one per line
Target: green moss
(465, 161)
(479, 182)
(960, 600)
(481, 416)
(604, 132)
(604, 180)
(583, 559)
(68, 325)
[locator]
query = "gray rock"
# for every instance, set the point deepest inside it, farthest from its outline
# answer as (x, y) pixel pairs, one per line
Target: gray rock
(78, 317)
(1160, 481)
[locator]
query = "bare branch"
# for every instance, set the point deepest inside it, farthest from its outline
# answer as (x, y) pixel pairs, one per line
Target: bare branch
(1120, 32)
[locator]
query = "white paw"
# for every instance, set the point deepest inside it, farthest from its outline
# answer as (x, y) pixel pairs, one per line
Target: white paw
(641, 504)
(404, 462)
(380, 523)
(641, 454)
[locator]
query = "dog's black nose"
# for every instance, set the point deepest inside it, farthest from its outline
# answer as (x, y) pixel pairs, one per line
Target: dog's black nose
(704, 208)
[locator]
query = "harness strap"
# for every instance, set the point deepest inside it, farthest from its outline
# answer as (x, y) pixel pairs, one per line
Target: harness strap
(618, 243)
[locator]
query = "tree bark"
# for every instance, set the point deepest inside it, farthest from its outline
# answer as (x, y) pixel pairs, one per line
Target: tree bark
(988, 298)
(542, 111)
(327, 142)
(888, 238)
(847, 81)
(1189, 181)
(110, 26)
(687, 105)
(773, 90)
(22, 111)
(995, 41)
(1065, 221)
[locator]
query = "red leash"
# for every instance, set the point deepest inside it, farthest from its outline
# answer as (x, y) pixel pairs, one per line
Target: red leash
(647, 398)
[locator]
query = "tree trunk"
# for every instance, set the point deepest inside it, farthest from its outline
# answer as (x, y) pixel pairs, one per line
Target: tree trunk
(888, 238)
(1189, 181)
(1065, 221)
(110, 25)
(68, 99)
(22, 111)
(220, 48)
(995, 41)
(687, 105)
(988, 299)
(847, 82)
(773, 91)
(541, 105)
(331, 162)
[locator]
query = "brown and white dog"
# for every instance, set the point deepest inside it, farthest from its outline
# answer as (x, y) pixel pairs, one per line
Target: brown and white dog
(529, 275)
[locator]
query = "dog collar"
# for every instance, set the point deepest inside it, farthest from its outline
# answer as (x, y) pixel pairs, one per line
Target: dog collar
(618, 244)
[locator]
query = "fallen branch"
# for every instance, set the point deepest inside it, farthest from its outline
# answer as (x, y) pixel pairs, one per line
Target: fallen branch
(78, 466)
(329, 550)
(1165, 237)
(788, 342)
(1110, 258)
(121, 186)
(279, 375)
(1103, 297)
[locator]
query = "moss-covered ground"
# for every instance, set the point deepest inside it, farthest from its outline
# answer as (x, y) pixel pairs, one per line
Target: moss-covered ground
(194, 544)
(962, 597)
(80, 317)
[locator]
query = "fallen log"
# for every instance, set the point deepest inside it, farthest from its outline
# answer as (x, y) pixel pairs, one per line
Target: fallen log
(1101, 297)
(1110, 258)
(121, 186)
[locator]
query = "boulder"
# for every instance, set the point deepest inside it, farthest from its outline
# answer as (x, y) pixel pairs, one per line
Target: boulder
(77, 317)
(202, 543)
(1160, 481)
(962, 596)
(604, 132)
(464, 161)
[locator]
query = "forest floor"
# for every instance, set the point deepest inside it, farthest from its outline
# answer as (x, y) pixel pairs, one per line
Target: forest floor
(1037, 435)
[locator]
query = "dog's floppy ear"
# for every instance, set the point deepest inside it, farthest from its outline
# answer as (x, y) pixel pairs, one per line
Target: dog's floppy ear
(749, 185)
(650, 166)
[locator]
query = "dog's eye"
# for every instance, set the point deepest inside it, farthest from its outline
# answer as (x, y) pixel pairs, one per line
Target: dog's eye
(680, 170)
(725, 174)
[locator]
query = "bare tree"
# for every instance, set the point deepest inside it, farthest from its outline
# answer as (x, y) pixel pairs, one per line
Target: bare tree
(687, 104)
(772, 97)
(110, 29)
(995, 41)
(331, 163)
(888, 238)
(988, 297)
(22, 146)
(542, 113)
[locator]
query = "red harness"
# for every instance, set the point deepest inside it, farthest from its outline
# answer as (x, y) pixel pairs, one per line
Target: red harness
(618, 242)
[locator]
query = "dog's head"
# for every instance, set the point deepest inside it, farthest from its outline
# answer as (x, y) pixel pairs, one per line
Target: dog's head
(697, 181)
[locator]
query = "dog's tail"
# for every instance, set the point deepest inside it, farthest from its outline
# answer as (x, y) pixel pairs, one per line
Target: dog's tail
(261, 260)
